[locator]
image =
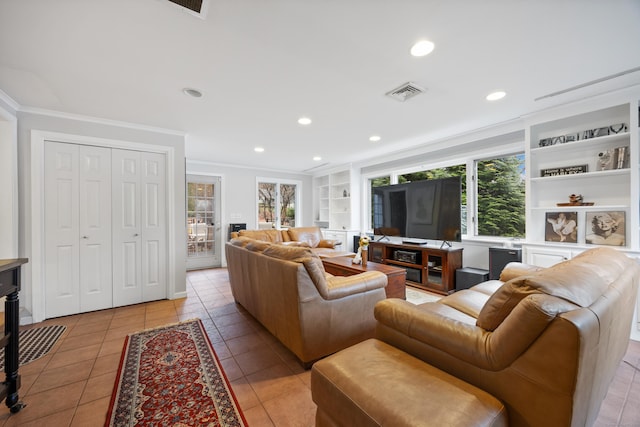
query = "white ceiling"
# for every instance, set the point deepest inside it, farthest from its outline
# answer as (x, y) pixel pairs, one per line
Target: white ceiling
(261, 64)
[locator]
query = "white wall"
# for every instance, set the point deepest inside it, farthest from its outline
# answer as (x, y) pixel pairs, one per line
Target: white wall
(9, 182)
(30, 121)
(239, 193)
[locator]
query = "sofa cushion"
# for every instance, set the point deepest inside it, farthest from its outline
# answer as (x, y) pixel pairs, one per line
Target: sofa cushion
(273, 236)
(312, 263)
(257, 245)
(580, 281)
(311, 235)
(241, 241)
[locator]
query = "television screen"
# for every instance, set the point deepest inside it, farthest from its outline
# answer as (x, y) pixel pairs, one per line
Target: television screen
(427, 210)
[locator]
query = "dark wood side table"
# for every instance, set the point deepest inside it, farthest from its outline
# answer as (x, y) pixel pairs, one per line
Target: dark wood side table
(396, 277)
(10, 288)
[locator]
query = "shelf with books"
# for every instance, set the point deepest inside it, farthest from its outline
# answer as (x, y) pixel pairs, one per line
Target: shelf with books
(585, 154)
(599, 174)
(603, 153)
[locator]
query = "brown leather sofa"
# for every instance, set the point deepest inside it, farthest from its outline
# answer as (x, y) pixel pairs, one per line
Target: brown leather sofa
(297, 236)
(310, 311)
(546, 344)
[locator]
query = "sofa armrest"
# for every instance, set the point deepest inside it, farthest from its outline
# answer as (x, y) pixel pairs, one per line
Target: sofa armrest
(328, 243)
(343, 286)
(492, 351)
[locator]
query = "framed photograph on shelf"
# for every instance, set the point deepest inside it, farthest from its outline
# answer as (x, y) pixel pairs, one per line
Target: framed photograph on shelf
(605, 228)
(561, 227)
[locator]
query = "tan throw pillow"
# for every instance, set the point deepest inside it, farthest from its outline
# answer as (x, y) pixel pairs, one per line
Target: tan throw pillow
(581, 281)
(502, 302)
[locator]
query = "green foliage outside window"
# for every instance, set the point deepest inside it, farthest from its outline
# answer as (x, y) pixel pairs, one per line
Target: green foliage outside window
(501, 201)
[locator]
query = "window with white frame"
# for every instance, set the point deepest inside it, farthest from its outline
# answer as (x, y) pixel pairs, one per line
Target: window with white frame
(500, 196)
(277, 204)
(497, 201)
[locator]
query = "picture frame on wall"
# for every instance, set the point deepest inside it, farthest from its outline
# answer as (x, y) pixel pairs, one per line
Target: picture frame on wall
(605, 228)
(561, 227)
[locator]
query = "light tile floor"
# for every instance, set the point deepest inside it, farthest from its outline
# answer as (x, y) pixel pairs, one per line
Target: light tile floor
(72, 385)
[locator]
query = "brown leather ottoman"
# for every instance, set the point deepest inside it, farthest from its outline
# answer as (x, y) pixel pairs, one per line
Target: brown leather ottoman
(375, 384)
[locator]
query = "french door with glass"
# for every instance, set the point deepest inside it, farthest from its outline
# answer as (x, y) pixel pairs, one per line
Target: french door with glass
(204, 242)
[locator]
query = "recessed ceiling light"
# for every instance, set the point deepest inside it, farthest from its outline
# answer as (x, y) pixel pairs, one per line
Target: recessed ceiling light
(258, 149)
(422, 48)
(304, 120)
(374, 138)
(495, 96)
(192, 92)
(317, 158)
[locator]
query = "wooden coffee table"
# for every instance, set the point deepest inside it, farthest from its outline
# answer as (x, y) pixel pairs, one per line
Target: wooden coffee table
(343, 266)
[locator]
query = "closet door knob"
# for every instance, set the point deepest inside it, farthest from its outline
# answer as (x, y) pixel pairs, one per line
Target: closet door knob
(85, 237)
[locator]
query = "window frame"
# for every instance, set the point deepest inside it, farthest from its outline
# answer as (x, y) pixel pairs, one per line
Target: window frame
(511, 149)
(475, 216)
(297, 200)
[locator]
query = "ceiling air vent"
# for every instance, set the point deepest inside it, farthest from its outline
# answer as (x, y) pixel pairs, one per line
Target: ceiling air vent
(406, 91)
(192, 5)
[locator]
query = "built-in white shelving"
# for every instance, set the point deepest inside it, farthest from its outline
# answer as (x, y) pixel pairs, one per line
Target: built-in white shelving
(589, 148)
(335, 204)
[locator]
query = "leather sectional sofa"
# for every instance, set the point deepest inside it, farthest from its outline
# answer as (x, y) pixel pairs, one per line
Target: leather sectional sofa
(310, 237)
(545, 343)
(310, 311)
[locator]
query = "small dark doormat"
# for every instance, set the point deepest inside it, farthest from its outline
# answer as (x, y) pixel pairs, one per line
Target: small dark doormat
(35, 343)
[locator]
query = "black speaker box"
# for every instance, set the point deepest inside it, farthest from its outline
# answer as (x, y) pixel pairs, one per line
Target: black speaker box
(499, 257)
(468, 276)
(236, 227)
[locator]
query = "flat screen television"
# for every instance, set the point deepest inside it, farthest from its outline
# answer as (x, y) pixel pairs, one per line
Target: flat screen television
(418, 211)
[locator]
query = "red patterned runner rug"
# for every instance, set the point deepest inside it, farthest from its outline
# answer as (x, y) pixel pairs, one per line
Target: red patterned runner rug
(170, 376)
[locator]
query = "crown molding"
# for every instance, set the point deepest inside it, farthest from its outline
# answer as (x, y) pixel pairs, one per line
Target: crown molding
(206, 163)
(9, 100)
(98, 120)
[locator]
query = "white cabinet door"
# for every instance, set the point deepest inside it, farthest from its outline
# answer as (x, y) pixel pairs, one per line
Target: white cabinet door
(546, 257)
(62, 247)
